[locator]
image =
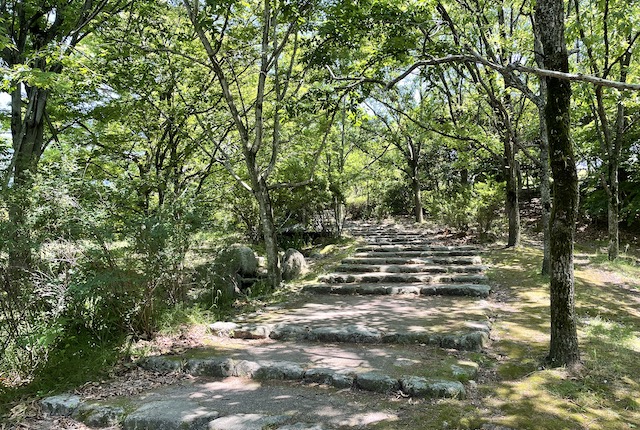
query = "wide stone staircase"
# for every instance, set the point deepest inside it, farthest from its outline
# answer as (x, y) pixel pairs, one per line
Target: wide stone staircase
(404, 316)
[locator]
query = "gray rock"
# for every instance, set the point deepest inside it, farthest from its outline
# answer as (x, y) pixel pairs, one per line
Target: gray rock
(221, 328)
(302, 426)
(161, 364)
(289, 332)
(246, 369)
(406, 338)
(251, 331)
(178, 414)
(465, 372)
(61, 405)
(95, 415)
(342, 380)
(373, 381)
(475, 341)
(351, 333)
(246, 422)
(450, 341)
(321, 375)
(431, 388)
(220, 367)
(238, 259)
(281, 370)
(293, 265)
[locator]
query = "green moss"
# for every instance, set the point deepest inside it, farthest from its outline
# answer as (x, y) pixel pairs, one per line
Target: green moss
(442, 414)
(605, 393)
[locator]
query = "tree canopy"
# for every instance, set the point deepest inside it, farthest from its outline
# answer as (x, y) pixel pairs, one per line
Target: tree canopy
(135, 128)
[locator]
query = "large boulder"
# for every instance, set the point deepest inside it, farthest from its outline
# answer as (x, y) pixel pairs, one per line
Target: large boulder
(228, 270)
(237, 259)
(293, 265)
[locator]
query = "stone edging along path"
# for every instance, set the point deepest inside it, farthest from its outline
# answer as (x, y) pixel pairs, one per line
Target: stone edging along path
(283, 370)
(400, 298)
(474, 340)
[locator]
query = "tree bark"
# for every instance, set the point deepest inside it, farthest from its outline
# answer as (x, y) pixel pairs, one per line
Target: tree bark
(274, 272)
(614, 166)
(415, 188)
(511, 203)
(564, 340)
(27, 129)
(545, 192)
(545, 183)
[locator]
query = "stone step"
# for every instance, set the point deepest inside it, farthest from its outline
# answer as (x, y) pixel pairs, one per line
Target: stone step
(461, 260)
(394, 278)
(223, 367)
(417, 247)
(433, 319)
(470, 290)
(398, 241)
(406, 268)
(474, 339)
(417, 254)
(205, 403)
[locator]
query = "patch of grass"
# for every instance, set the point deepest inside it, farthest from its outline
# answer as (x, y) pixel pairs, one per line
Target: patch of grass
(605, 393)
(176, 317)
(71, 364)
(441, 414)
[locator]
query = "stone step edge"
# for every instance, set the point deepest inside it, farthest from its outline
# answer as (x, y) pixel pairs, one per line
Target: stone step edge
(460, 261)
(415, 254)
(98, 415)
(374, 381)
(464, 290)
(420, 277)
(346, 267)
(388, 247)
(472, 340)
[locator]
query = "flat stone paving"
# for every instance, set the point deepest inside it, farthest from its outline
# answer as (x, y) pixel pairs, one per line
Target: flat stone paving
(241, 404)
(325, 361)
(435, 314)
(393, 360)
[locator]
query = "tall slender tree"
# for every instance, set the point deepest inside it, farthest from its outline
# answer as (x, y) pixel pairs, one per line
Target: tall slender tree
(255, 90)
(549, 15)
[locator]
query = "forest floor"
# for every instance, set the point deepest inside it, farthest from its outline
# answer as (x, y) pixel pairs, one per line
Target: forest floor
(513, 390)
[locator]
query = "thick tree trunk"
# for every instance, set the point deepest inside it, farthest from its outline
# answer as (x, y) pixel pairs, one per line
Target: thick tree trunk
(564, 340)
(27, 131)
(511, 203)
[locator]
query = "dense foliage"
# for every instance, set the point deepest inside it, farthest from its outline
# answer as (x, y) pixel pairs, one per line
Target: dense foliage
(142, 137)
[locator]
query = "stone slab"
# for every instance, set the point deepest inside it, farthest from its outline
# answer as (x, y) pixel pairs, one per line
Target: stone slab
(172, 414)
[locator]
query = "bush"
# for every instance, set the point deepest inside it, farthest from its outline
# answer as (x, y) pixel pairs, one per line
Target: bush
(452, 208)
(397, 199)
(478, 206)
(490, 197)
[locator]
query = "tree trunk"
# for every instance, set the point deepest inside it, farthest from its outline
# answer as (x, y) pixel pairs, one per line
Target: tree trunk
(564, 340)
(511, 203)
(613, 205)
(545, 191)
(27, 131)
(614, 165)
(274, 273)
(415, 187)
